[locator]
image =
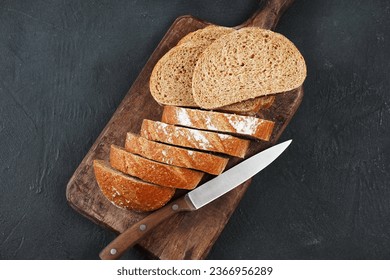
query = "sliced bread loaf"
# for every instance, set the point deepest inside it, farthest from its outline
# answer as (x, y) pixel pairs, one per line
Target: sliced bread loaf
(171, 79)
(248, 63)
(216, 121)
(128, 192)
(194, 138)
(176, 156)
(154, 172)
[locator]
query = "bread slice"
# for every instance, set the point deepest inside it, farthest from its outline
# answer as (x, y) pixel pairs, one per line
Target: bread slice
(176, 156)
(249, 107)
(193, 138)
(216, 121)
(128, 192)
(154, 172)
(245, 64)
(171, 79)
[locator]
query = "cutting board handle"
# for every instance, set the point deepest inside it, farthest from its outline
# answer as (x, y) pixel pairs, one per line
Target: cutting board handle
(268, 16)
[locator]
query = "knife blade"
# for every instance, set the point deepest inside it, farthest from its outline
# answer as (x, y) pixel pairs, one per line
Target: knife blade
(195, 199)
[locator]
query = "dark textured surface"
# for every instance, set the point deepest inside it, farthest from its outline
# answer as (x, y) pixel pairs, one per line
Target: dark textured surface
(66, 65)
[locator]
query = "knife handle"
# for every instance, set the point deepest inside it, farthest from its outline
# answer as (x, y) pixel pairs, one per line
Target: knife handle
(130, 236)
(268, 16)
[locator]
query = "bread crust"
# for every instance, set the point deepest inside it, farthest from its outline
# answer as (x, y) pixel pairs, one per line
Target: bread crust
(220, 122)
(128, 192)
(194, 138)
(176, 156)
(249, 107)
(154, 172)
(206, 35)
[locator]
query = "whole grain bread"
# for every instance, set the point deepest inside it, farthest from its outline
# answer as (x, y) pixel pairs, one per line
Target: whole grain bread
(171, 79)
(205, 35)
(250, 106)
(154, 172)
(194, 138)
(175, 156)
(245, 64)
(128, 192)
(220, 122)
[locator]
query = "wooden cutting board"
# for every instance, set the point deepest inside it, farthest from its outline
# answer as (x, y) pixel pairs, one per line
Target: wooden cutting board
(187, 235)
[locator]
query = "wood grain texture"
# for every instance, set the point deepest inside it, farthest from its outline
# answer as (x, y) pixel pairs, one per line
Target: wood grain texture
(186, 235)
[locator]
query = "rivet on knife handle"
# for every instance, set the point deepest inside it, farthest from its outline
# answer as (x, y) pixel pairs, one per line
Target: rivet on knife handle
(129, 237)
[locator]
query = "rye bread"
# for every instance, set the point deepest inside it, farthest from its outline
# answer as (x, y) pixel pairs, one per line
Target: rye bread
(246, 126)
(249, 107)
(205, 35)
(245, 64)
(152, 171)
(194, 138)
(175, 156)
(171, 79)
(128, 192)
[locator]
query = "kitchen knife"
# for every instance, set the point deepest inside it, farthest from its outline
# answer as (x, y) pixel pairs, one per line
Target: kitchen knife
(195, 199)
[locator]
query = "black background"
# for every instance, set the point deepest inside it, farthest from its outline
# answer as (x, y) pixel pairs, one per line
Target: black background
(66, 65)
